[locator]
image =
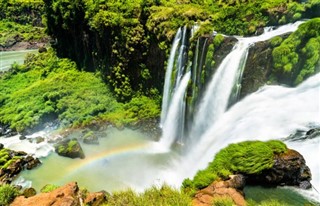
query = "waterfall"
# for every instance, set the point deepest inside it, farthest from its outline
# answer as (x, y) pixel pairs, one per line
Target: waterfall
(173, 125)
(218, 94)
(273, 112)
(167, 83)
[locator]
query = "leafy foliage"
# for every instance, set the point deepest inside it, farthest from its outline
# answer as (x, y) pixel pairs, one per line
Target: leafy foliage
(298, 56)
(247, 157)
(7, 194)
(47, 87)
(10, 32)
(124, 40)
(25, 12)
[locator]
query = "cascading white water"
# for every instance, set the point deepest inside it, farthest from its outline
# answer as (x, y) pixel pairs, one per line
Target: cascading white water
(216, 98)
(167, 83)
(175, 121)
(273, 112)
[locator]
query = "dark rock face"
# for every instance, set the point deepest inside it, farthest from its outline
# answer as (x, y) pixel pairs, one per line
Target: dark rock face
(223, 50)
(68, 195)
(6, 131)
(69, 148)
(258, 67)
(289, 169)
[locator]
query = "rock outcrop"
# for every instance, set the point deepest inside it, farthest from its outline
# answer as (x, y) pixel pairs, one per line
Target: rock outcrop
(231, 188)
(68, 195)
(12, 163)
(289, 169)
(69, 148)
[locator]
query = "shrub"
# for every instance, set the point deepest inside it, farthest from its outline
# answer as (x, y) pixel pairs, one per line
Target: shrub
(7, 194)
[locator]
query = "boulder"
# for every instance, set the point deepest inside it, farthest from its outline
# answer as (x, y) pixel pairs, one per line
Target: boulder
(31, 162)
(69, 148)
(29, 192)
(231, 188)
(90, 138)
(289, 169)
(68, 195)
(95, 199)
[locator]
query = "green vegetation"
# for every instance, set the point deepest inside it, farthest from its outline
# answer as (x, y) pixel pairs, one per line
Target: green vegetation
(11, 32)
(223, 201)
(22, 11)
(126, 41)
(247, 157)
(47, 88)
(7, 194)
(48, 188)
(6, 159)
(153, 196)
(298, 56)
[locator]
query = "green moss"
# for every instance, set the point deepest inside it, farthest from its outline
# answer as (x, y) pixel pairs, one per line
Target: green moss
(48, 188)
(297, 57)
(247, 157)
(7, 194)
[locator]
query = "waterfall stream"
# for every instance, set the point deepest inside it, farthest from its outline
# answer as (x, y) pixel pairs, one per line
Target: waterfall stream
(217, 95)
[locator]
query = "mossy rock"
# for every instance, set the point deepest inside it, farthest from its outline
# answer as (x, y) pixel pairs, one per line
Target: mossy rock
(90, 138)
(248, 158)
(69, 148)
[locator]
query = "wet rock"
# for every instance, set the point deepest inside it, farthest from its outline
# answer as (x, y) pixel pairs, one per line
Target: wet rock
(29, 192)
(31, 162)
(69, 148)
(221, 189)
(39, 139)
(1, 146)
(12, 163)
(90, 138)
(22, 137)
(289, 169)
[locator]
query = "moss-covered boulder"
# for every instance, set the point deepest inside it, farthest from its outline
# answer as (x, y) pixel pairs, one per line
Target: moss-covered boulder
(90, 138)
(268, 163)
(69, 148)
(262, 163)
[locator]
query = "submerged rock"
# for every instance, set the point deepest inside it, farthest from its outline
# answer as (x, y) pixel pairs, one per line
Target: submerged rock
(69, 148)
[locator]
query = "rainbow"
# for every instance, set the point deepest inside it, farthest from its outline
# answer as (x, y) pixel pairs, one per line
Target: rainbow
(106, 154)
